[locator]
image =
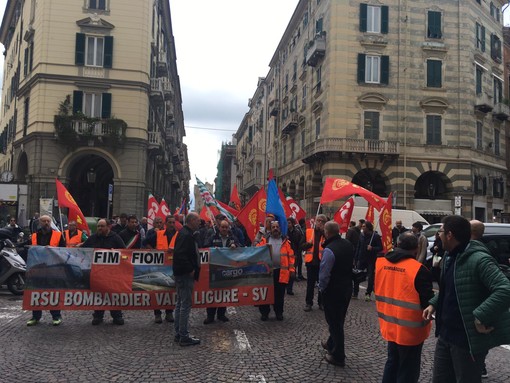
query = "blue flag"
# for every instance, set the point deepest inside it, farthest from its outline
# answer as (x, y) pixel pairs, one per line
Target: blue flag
(274, 206)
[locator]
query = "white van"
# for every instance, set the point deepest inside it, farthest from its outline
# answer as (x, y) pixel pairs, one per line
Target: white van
(408, 217)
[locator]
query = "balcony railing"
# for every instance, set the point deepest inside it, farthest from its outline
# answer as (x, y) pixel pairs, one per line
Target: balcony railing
(161, 65)
(155, 139)
(290, 123)
(349, 145)
(316, 50)
(501, 111)
(95, 129)
(483, 103)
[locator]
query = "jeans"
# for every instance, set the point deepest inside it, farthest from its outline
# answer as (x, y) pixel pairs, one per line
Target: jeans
(184, 287)
(403, 364)
(335, 310)
(455, 364)
(116, 314)
(279, 296)
(312, 273)
(212, 311)
(55, 314)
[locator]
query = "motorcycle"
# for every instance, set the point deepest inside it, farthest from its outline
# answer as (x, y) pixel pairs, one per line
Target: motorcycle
(12, 265)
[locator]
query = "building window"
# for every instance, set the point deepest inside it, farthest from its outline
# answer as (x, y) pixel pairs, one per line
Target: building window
(496, 142)
(97, 105)
(303, 98)
(371, 125)
(373, 69)
(318, 75)
(498, 187)
(373, 19)
(317, 127)
(94, 51)
(26, 113)
(480, 185)
(479, 80)
(292, 148)
(495, 48)
(495, 12)
(284, 157)
(319, 26)
(97, 4)
(302, 141)
(479, 135)
(480, 37)
(434, 73)
(28, 59)
(498, 90)
(433, 130)
(434, 25)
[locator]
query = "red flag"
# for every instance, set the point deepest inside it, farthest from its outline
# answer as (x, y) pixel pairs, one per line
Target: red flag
(234, 198)
(65, 199)
(344, 214)
(337, 188)
(152, 210)
(385, 225)
(204, 214)
(286, 208)
(370, 216)
(163, 210)
(254, 213)
(230, 209)
(270, 175)
(297, 211)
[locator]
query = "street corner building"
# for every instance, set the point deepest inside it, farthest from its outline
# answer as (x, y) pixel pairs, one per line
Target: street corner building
(91, 95)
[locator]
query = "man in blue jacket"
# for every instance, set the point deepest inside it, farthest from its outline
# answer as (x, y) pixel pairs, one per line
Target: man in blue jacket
(471, 307)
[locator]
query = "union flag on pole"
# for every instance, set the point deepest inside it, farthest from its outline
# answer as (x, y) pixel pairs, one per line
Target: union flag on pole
(253, 213)
(152, 210)
(370, 216)
(65, 199)
(385, 225)
(234, 198)
(344, 214)
(337, 188)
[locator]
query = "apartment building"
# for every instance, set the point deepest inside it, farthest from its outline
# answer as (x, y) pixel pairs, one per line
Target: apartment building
(91, 96)
(394, 95)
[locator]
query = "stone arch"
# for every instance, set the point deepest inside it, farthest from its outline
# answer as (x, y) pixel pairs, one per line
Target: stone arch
(372, 179)
(292, 189)
(300, 193)
(22, 168)
(433, 185)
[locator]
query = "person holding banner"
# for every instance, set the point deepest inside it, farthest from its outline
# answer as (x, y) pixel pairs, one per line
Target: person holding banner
(283, 269)
(73, 236)
(186, 272)
(365, 256)
(105, 238)
(313, 248)
(46, 236)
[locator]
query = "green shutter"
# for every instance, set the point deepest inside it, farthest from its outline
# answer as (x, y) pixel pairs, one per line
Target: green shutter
(483, 38)
(385, 69)
(361, 68)
(31, 57)
(79, 58)
(384, 19)
(362, 17)
(77, 101)
(25, 63)
(106, 107)
(108, 51)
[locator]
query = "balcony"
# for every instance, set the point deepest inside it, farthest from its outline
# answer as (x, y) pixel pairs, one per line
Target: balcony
(254, 154)
(501, 111)
(316, 50)
(274, 107)
(483, 104)
(161, 65)
(157, 90)
(325, 146)
(167, 89)
(155, 140)
(290, 123)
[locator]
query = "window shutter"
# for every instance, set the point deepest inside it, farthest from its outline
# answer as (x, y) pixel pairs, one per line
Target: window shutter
(108, 51)
(363, 17)
(361, 68)
(384, 19)
(79, 58)
(385, 69)
(31, 57)
(25, 63)
(77, 101)
(106, 107)
(483, 38)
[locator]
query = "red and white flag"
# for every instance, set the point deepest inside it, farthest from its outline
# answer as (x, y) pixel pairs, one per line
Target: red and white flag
(344, 214)
(152, 210)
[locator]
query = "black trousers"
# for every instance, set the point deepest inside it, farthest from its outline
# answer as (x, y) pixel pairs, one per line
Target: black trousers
(212, 311)
(279, 296)
(114, 313)
(312, 273)
(403, 364)
(335, 310)
(158, 312)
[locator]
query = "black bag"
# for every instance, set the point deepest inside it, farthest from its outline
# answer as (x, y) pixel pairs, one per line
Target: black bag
(359, 276)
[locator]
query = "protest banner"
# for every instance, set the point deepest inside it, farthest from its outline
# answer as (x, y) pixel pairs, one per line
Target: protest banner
(120, 279)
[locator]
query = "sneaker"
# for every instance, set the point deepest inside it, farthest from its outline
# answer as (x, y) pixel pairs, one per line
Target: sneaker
(223, 318)
(118, 321)
(367, 298)
(484, 373)
(97, 321)
(158, 319)
(56, 321)
(308, 308)
(188, 341)
(169, 317)
(32, 322)
(331, 360)
(208, 320)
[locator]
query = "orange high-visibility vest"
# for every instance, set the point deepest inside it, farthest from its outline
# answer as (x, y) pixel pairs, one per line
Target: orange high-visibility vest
(54, 240)
(287, 260)
(398, 302)
(73, 241)
(162, 240)
(310, 236)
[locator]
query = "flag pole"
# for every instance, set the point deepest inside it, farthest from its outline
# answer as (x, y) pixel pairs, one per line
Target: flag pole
(316, 214)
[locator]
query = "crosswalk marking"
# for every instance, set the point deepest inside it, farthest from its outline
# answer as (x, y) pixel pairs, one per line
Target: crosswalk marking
(242, 340)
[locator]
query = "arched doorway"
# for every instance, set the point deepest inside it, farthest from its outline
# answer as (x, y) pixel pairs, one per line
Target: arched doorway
(21, 174)
(373, 180)
(432, 185)
(89, 178)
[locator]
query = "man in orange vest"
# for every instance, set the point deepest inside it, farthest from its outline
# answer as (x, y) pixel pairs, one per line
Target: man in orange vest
(162, 240)
(46, 236)
(403, 287)
(283, 269)
(313, 254)
(73, 236)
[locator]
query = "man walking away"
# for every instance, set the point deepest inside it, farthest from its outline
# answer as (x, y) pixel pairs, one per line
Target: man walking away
(313, 254)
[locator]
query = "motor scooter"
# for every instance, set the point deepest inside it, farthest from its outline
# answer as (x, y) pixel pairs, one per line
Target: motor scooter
(12, 265)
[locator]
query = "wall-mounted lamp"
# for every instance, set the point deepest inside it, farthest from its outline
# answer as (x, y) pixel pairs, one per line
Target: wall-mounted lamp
(91, 176)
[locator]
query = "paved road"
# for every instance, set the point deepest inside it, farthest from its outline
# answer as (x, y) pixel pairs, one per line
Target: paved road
(242, 350)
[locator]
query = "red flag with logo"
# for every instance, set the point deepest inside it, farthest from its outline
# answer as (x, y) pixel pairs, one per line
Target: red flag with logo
(370, 216)
(65, 199)
(296, 211)
(385, 225)
(254, 213)
(337, 188)
(152, 210)
(344, 214)
(234, 198)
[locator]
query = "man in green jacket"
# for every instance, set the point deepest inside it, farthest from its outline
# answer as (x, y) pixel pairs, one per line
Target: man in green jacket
(472, 306)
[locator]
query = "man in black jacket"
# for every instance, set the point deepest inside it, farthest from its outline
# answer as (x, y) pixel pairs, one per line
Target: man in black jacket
(186, 270)
(130, 235)
(335, 284)
(104, 238)
(369, 245)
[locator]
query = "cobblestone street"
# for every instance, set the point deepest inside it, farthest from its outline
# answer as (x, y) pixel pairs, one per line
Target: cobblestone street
(245, 349)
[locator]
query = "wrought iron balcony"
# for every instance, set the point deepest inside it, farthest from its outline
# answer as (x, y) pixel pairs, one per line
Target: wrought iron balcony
(316, 50)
